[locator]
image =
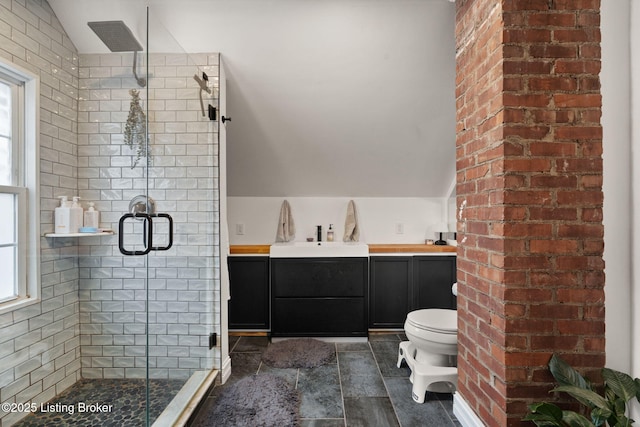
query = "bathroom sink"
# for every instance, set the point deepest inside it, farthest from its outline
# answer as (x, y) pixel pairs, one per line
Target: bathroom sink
(318, 249)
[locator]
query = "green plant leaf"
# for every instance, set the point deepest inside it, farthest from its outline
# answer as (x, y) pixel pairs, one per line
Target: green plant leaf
(599, 416)
(588, 398)
(621, 422)
(619, 406)
(545, 414)
(573, 419)
(565, 374)
(620, 383)
(637, 381)
(618, 415)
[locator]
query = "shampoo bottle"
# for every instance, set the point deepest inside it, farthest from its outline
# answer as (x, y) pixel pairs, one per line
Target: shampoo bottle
(76, 215)
(91, 216)
(330, 233)
(62, 217)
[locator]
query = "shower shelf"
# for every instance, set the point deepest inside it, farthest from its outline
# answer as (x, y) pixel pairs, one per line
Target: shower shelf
(100, 233)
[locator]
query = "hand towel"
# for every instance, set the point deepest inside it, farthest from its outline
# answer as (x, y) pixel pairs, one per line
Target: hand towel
(286, 227)
(351, 229)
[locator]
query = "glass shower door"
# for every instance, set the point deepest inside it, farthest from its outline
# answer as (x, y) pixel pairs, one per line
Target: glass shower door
(184, 280)
(149, 295)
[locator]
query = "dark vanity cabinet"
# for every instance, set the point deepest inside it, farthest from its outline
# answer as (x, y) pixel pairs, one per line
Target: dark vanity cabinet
(249, 287)
(335, 296)
(319, 297)
(433, 277)
(390, 291)
(400, 284)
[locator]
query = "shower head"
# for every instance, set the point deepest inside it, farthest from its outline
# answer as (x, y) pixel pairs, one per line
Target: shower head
(116, 35)
(119, 38)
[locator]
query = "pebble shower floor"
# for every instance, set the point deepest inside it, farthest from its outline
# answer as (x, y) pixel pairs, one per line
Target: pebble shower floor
(105, 403)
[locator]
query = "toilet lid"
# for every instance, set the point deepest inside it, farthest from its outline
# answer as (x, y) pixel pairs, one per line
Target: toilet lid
(435, 319)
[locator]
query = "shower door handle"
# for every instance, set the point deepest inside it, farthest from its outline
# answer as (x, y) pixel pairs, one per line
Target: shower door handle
(148, 233)
(168, 217)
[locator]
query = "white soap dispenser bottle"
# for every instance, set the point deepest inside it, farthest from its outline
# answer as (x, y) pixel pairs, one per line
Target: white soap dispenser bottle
(62, 217)
(91, 216)
(76, 215)
(330, 233)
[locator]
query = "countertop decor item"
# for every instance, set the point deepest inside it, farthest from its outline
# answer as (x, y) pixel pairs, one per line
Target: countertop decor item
(440, 241)
(135, 130)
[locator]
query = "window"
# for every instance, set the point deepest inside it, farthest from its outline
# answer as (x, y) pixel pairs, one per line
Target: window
(19, 204)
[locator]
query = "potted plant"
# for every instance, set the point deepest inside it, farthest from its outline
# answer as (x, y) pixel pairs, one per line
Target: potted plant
(606, 409)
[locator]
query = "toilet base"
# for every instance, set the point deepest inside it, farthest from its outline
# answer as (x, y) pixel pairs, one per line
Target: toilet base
(426, 377)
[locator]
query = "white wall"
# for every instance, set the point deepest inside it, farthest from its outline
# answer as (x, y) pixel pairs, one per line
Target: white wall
(620, 116)
(634, 231)
(378, 218)
(615, 78)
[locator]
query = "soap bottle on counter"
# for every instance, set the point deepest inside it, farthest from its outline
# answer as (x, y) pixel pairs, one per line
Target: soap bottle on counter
(91, 216)
(62, 217)
(76, 215)
(330, 233)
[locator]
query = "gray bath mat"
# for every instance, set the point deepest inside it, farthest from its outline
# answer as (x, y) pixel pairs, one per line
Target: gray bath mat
(298, 353)
(259, 400)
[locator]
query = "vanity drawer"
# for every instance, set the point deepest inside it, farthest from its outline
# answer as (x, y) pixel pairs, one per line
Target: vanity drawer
(319, 317)
(319, 277)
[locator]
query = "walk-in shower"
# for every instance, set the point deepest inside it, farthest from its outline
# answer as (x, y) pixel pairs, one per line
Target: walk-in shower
(143, 326)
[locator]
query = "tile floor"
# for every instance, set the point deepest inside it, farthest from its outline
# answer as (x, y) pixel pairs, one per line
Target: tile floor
(362, 387)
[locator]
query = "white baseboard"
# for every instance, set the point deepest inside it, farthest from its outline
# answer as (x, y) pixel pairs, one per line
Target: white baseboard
(226, 370)
(464, 413)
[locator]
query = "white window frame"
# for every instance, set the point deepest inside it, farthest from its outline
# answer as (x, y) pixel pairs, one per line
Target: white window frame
(27, 189)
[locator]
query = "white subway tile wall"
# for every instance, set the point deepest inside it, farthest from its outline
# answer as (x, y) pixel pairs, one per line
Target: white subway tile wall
(182, 180)
(40, 344)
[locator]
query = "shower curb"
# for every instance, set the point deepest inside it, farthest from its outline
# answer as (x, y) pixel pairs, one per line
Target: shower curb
(186, 402)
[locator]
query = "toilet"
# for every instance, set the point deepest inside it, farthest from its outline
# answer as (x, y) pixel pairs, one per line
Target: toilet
(431, 351)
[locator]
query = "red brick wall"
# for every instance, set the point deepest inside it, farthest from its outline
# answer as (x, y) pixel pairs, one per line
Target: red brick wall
(529, 173)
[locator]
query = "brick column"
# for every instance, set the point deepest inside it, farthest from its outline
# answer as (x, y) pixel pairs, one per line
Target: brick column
(529, 186)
